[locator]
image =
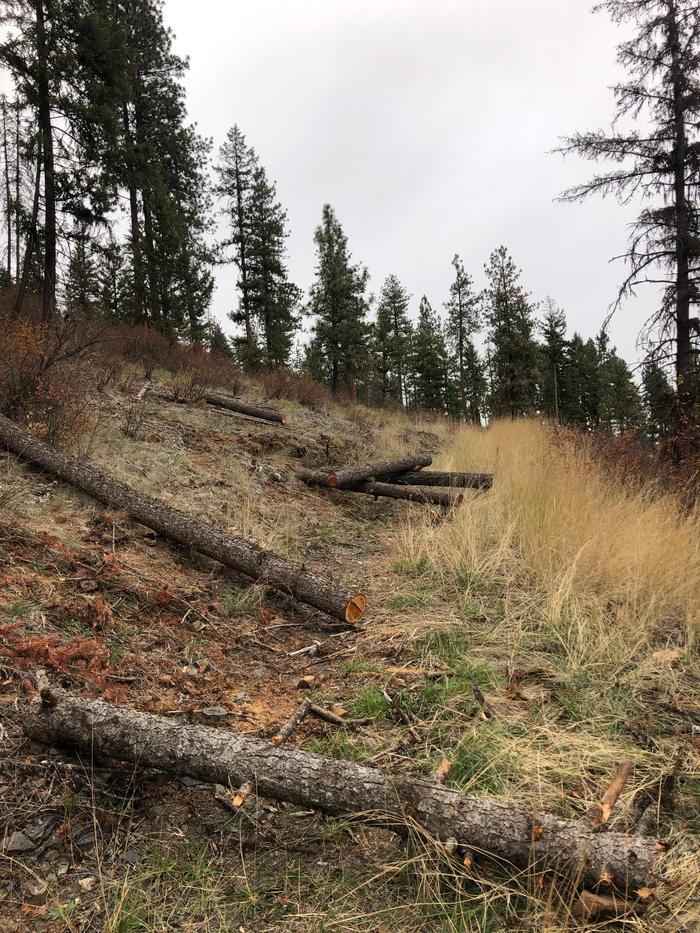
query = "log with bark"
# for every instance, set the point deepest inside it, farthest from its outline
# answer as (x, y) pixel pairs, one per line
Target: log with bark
(243, 556)
(410, 493)
(511, 832)
(341, 479)
(436, 478)
(267, 414)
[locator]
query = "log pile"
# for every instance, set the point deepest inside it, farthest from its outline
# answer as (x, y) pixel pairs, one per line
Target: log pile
(399, 479)
(514, 833)
(237, 553)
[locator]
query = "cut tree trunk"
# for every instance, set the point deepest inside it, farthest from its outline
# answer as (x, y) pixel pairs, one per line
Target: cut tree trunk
(262, 566)
(267, 414)
(341, 479)
(511, 832)
(389, 491)
(435, 478)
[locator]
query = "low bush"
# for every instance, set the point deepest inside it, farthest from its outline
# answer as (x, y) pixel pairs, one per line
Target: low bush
(278, 383)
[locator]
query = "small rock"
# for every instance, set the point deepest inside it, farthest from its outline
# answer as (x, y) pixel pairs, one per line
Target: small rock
(87, 884)
(131, 857)
(85, 838)
(242, 697)
(37, 893)
(215, 712)
(150, 542)
(62, 869)
(190, 670)
(19, 843)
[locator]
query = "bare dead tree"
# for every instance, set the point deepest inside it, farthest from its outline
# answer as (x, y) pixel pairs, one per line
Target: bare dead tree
(659, 164)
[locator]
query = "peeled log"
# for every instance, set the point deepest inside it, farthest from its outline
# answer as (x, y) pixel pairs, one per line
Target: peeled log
(262, 566)
(267, 414)
(388, 490)
(512, 832)
(340, 479)
(435, 478)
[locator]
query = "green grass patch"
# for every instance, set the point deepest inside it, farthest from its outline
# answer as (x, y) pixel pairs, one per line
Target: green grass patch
(338, 745)
(18, 609)
(370, 703)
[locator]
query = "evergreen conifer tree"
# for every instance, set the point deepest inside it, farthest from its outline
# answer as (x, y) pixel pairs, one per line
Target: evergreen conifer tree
(462, 323)
(513, 354)
(554, 362)
(273, 299)
(659, 402)
(391, 340)
(339, 305)
(428, 361)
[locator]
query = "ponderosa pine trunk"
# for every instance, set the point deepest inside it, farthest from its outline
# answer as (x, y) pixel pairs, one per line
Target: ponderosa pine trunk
(436, 478)
(46, 132)
(409, 493)
(23, 281)
(260, 565)
(352, 475)
(8, 194)
(512, 832)
(267, 414)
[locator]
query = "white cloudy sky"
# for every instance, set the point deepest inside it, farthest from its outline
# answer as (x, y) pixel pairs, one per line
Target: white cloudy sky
(427, 124)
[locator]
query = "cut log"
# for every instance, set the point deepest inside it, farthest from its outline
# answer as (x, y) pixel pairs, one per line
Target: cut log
(340, 479)
(243, 556)
(389, 491)
(435, 478)
(267, 414)
(511, 832)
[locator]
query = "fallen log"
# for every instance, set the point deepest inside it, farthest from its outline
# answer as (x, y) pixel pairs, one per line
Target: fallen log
(410, 493)
(267, 414)
(435, 478)
(340, 479)
(511, 832)
(243, 556)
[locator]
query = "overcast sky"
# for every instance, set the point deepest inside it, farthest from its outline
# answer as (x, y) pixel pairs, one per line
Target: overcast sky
(427, 124)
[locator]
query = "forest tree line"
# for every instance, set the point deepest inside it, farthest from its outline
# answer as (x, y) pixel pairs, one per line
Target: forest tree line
(113, 204)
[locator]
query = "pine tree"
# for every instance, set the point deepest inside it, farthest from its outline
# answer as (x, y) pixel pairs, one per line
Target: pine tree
(274, 300)
(82, 290)
(660, 162)
(236, 171)
(462, 323)
(113, 281)
(659, 402)
(391, 340)
(513, 356)
(340, 306)
(620, 402)
(555, 361)
(217, 340)
(428, 361)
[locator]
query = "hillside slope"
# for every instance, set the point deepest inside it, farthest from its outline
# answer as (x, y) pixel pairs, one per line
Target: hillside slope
(537, 637)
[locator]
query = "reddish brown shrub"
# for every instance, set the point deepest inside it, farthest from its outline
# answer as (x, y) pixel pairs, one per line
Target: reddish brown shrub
(44, 375)
(284, 383)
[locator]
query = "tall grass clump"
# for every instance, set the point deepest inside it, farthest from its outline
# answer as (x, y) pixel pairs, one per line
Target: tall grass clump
(599, 558)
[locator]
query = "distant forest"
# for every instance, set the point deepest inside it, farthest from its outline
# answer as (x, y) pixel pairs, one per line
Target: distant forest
(112, 203)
